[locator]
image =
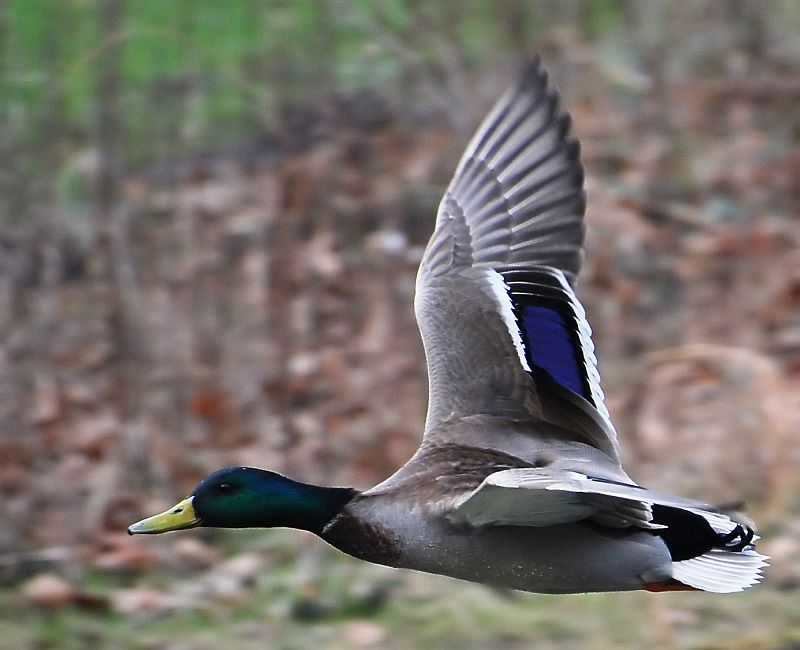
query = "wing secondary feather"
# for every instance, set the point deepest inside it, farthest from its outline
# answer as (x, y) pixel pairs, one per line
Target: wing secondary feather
(503, 331)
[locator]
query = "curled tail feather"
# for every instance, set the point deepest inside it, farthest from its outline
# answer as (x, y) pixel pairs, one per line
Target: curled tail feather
(709, 550)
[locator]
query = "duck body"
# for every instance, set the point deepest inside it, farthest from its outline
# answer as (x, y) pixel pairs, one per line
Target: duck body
(407, 521)
(399, 523)
(517, 481)
(564, 558)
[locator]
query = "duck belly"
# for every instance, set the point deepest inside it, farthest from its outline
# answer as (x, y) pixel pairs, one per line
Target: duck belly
(567, 558)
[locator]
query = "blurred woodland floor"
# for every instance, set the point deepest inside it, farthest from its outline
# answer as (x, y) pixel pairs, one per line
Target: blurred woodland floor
(254, 305)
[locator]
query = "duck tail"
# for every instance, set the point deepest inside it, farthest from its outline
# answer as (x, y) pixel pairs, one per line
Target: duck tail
(709, 550)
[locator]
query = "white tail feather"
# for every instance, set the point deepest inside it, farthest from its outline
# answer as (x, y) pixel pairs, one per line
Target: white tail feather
(721, 571)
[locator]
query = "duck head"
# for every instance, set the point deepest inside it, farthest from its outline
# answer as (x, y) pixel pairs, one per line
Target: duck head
(246, 497)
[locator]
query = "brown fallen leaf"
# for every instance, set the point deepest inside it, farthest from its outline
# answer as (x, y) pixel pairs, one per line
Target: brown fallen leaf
(363, 634)
(51, 591)
(196, 553)
(142, 600)
(244, 566)
(48, 590)
(125, 559)
(47, 406)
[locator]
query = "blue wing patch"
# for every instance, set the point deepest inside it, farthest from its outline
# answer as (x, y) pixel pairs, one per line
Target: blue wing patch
(553, 346)
(554, 331)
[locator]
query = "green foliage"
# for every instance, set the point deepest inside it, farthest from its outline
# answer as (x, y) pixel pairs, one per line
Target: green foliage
(197, 74)
(602, 16)
(203, 73)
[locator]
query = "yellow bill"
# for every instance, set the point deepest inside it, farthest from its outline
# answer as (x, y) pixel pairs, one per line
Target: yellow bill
(178, 517)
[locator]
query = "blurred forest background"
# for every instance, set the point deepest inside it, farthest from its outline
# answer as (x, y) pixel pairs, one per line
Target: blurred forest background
(211, 215)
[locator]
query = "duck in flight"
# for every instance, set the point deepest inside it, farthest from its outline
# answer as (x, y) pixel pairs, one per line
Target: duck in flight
(517, 481)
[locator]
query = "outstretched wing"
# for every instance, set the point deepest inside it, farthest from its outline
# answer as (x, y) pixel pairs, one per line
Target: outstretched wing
(503, 331)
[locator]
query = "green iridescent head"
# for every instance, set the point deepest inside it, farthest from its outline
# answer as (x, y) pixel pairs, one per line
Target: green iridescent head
(246, 497)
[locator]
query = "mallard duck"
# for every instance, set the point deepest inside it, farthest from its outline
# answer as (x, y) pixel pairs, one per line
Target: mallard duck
(518, 481)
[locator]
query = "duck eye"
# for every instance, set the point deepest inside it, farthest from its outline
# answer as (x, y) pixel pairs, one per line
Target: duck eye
(224, 487)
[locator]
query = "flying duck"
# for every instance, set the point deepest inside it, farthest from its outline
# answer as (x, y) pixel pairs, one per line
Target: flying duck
(518, 481)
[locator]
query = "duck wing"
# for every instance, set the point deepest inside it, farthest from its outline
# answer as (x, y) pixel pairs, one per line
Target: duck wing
(546, 497)
(709, 549)
(504, 333)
